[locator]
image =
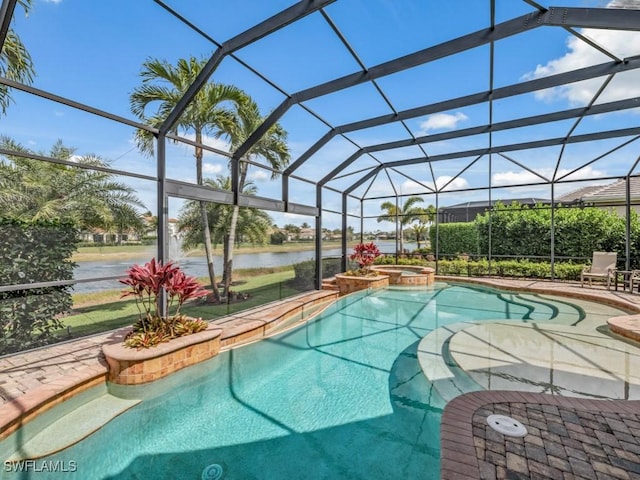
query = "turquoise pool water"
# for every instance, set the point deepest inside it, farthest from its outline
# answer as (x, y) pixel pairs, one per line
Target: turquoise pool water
(340, 397)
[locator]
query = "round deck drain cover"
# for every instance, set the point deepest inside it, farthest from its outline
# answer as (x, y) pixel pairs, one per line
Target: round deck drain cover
(212, 472)
(507, 425)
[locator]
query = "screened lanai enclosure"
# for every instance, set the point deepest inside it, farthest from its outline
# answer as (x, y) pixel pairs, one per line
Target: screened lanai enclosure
(477, 131)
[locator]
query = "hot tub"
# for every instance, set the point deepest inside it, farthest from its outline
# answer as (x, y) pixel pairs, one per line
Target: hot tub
(413, 275)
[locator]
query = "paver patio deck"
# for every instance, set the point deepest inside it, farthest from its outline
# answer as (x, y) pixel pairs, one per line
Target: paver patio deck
(570, 438)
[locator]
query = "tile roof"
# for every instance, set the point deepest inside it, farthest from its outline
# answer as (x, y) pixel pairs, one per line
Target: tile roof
(599, 193)
(579, 194)
(616, 189)
(504, 201)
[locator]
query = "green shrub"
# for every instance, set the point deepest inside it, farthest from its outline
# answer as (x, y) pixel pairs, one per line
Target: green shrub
(304, 275)
(331, 266)
(478, 268)
(277, 238)
(305, 272)
(510, 268)
(520, 231)
(453, 267)
(391, 260)
(455, 238)
(567, 271)
(385, 260)
(31, 253)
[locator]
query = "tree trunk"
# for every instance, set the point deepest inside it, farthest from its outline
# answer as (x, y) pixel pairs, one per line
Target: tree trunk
(208, 250)
(231, 239)
(206, 233)
(225, 256)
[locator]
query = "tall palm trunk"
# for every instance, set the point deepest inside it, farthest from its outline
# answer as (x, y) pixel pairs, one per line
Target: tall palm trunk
(205, 222)
(231, 238)
(208, 250)
(399, 226)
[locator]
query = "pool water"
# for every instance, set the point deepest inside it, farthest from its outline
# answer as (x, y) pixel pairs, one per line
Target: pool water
(341, 397)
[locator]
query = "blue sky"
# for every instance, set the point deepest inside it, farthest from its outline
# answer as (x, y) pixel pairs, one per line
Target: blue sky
(91, 52)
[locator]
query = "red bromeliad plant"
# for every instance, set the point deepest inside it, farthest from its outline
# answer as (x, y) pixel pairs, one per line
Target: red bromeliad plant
(364, 254)
(147, 283)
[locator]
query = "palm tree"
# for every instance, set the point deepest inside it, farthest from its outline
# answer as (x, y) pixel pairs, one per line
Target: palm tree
(33, 189)
(272, 147)
(401, 216)
(15, 61)
(209, 113)
(253, 224)
(424, 216)
(127, 218)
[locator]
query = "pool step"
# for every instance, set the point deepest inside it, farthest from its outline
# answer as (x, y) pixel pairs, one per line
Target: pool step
(437, 365)
(330, 284)
(73, 427)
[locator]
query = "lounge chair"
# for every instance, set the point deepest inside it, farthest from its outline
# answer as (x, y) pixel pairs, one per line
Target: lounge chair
(603, 267)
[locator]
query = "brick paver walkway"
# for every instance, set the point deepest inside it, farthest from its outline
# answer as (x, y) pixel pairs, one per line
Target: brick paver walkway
(32, 381)
(560, 441)
(567, 438)
(34, 369)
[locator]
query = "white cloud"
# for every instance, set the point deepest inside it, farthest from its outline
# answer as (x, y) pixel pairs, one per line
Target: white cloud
(53, 1)
(442, 121)
(515, 178)
(214, 168)
(456, 184)
(524, 176)
(580, 54)
(409, 187)
(259, 176)
(630, 4)
(212, 142)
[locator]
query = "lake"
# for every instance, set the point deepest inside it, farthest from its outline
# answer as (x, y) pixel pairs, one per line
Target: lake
(197, 266)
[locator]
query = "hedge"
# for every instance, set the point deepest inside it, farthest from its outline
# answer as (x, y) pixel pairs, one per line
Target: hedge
(305, 272)
(31, 253)
(455, 238)
(510, 268)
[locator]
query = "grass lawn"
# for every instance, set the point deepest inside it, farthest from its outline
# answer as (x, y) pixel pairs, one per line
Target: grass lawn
(128, 252)
(95, 313)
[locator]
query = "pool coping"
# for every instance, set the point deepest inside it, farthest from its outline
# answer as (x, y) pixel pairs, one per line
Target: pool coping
(237, 329)
(625, 300)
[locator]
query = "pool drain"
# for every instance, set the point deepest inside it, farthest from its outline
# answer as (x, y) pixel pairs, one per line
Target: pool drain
(506, 425)
(212, 472)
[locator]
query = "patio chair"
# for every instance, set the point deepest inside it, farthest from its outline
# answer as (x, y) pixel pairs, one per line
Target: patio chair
(634, 281)
(603, 267)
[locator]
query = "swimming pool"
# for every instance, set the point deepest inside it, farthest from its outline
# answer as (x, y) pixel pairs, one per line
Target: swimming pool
(342, 396)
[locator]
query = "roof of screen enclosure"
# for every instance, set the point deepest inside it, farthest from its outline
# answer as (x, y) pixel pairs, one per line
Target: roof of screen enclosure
(386, 138)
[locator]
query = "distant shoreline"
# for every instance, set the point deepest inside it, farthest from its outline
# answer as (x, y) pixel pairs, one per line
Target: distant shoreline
(131, 252)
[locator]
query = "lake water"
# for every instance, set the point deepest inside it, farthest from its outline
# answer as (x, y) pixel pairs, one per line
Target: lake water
(197, 266)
